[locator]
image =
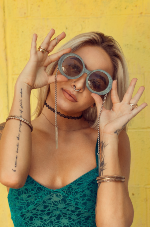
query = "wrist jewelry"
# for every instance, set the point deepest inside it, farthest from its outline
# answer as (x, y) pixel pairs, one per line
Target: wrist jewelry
(107, 178)
(20, 119)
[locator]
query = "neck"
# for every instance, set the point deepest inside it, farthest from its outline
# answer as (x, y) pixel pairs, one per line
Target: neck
(63, 123)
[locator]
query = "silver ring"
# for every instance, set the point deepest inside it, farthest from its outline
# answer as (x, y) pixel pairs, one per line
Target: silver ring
(56, 40)
(74, 86)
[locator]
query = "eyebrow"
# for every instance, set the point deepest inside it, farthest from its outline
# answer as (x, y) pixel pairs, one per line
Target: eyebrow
(79, 61)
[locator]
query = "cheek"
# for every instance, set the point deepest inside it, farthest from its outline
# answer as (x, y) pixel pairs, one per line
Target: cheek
(52, 89)
(88, 99)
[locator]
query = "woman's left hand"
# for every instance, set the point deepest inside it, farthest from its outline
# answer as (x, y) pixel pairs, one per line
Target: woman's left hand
(113, 121)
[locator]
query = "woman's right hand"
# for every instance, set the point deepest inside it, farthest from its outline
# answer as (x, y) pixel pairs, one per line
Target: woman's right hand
(34, 74)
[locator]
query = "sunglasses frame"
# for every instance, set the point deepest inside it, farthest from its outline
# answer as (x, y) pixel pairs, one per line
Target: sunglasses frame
(64, 56)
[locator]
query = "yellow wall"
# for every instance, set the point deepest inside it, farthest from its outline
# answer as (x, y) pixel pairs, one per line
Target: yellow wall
(128, 21)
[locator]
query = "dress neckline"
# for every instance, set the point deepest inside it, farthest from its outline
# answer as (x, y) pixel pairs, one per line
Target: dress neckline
(68, 185)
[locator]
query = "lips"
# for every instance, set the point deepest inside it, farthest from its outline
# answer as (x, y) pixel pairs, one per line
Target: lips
(70, 94)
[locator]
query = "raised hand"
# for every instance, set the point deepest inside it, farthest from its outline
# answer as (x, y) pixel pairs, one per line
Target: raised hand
(34, 74)
(114, 120)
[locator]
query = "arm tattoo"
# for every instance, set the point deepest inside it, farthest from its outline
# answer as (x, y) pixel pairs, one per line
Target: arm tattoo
(2, 126)
(119, 130)
(102, 163)
(19, 132)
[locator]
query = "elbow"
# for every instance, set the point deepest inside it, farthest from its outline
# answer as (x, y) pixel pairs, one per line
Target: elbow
(115, 223)
(129, 218)
(11, 182)
(122, 220)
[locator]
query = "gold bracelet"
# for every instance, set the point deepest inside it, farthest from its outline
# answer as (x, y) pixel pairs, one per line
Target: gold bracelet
(20, 119)
(111, 180)
(108, 178)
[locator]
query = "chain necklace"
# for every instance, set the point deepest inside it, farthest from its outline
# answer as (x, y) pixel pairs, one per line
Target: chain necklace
(62, 129)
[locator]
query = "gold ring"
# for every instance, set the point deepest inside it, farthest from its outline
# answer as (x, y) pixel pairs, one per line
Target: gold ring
(133, 106)
(42, 49)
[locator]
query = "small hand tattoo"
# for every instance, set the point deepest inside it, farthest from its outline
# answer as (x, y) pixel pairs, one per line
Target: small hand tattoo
(119, 130)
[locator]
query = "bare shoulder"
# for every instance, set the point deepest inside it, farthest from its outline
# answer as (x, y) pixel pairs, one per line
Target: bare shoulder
(2, 126)
(124, 153)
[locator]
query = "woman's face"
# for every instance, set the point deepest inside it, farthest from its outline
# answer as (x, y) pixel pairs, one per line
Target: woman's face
(94, 57)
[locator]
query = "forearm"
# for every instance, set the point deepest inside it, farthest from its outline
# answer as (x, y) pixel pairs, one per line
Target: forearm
(113, 207)
(15, 144)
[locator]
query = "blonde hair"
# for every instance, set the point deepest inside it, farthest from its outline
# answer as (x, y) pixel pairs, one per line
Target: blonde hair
(120, 69)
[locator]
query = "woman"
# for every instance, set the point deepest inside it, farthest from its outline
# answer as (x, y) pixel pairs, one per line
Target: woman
(56, 186)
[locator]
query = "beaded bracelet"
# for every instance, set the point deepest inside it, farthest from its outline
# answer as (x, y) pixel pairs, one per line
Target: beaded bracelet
(20, 119)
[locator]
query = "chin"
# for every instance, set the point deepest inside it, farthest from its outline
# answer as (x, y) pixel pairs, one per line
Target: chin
(66, 107)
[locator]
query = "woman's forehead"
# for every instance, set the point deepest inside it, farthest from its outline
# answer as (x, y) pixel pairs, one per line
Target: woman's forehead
(95, 57)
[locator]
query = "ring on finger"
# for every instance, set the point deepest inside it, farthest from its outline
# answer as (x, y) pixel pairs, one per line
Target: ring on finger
(133, 106)
(42, 49)
(55, 44)
(56, 40)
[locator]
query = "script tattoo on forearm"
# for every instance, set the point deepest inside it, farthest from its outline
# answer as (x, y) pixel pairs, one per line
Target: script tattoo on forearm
(102, 163)
(119, 130)
(20, 125)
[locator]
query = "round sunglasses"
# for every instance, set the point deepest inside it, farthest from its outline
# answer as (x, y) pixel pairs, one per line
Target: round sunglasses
(97, 81)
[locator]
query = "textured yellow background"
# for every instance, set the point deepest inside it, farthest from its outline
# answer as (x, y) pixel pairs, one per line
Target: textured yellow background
(128, 21)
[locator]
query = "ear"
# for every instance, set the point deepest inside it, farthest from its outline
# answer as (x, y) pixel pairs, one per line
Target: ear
(93, 105)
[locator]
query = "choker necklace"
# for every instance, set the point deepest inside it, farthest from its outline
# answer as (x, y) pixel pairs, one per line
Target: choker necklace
(62, 115)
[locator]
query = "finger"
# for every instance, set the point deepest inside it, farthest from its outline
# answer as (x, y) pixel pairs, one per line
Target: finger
(138, 95)
(47, 39)
(53, 42)
(114, 94)
(33, 44)
(136, 110)
(60, 78)
(128, 95)
(56, 56)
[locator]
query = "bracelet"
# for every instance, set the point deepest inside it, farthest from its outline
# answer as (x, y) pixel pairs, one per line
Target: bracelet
(108, 178)
(20, 119)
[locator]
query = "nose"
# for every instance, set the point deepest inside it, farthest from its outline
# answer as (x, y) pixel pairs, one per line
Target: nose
(79, 83)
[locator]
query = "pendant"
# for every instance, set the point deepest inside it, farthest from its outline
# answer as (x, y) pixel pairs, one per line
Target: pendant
(56, 136)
